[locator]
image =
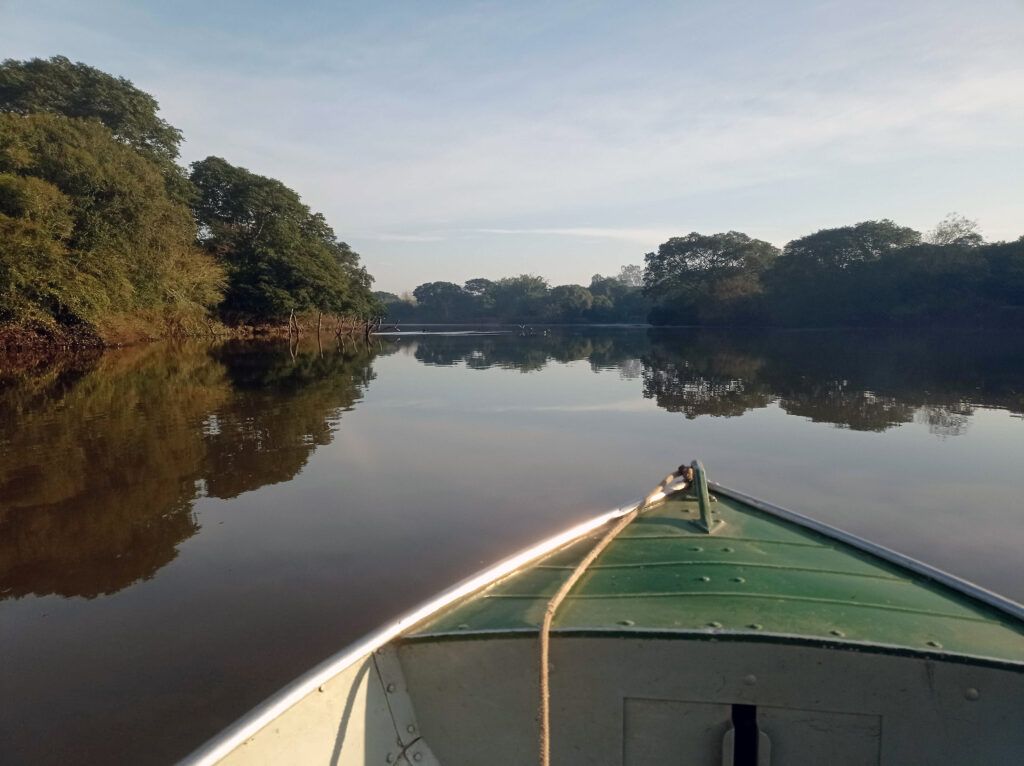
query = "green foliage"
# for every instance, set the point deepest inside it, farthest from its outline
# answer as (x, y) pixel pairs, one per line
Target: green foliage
(60, 86)
(569, 303)
(619, 299)
(874, 272)
(521, 297)
(280, 256)
(823, 278)
(96, 229)
(90, 230)
(524, 299)
(445, 301)
(712, 278)
(840, 248)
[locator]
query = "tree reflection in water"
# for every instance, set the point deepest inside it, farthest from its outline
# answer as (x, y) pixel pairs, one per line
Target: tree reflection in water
(861, 380)
(101, 461)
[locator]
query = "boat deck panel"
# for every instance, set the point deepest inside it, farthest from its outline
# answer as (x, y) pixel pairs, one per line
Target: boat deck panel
(754, 574)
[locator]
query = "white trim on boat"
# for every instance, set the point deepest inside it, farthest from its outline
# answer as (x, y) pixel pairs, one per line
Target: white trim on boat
(239, 732)
(953, 582)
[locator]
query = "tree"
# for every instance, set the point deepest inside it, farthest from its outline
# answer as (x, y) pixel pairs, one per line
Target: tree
(89, 231)
(631, 275)
(842, 247)
(478, 286)
(956, 229)
(280, 256)
(825, 278)
(569, 303)
(481, 291)
(617, 299)
(59, 86)
(520, 298)
(707, 278)
(445, 301)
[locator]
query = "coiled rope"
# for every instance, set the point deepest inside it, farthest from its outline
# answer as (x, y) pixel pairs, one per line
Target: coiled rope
(684, 472)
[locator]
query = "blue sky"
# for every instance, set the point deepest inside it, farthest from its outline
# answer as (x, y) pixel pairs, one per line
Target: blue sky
(462, 139)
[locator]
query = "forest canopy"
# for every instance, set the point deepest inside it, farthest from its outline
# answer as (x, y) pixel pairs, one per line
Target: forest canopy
(104, 235)
(280, 256)
(869, 273)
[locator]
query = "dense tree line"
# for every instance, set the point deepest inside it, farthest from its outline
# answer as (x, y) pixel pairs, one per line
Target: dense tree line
(525, 299)
(874, 272)
(870, 273)
(104, 234)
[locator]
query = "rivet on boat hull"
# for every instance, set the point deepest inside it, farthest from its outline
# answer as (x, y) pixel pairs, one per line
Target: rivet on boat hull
(739, 579)
(714, 624)
(756, 626)
(410, 728)
(837, 633)
(704, 578)
(935, 644)
(972, 694)
(417, 756)
(320, 688)
(390, 688)
(627, 623)
(750, 680)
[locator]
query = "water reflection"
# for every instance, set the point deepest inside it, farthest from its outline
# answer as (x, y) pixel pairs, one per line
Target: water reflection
(864, 381)
(214, 457)
(102, 460)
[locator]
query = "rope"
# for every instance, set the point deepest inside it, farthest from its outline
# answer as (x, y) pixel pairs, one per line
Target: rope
(549, 612)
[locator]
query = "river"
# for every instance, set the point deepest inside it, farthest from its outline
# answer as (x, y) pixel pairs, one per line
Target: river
(186, 527)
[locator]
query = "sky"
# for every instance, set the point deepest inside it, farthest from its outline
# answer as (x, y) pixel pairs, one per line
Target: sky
(452, 140)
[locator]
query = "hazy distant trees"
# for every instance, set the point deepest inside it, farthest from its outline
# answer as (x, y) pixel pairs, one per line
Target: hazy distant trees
(522, 299)
(445, 300)
(955, 229)
(569, 303)
(869, 273)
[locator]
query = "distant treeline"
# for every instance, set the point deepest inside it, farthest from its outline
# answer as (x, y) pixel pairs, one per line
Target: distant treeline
(870, 273)
(104, 235)
(525, 298)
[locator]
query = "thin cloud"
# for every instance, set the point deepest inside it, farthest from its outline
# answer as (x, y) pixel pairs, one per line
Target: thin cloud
(643, 236)
(387, 237)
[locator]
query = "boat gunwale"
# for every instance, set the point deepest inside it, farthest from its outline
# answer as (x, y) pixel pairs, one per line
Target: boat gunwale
(223, 743)
(260, 716)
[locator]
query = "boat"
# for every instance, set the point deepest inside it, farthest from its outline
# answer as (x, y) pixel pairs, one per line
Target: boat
(699, 625)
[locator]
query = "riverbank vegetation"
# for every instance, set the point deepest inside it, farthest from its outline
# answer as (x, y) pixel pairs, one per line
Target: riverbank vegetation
(105, 238)
(870, 273)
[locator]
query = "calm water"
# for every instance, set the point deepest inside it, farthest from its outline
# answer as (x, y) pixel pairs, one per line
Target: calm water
(183, 529)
